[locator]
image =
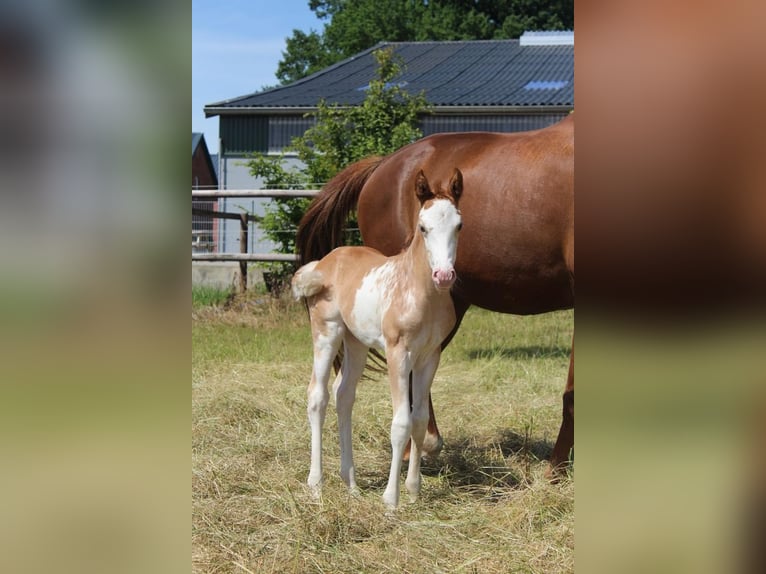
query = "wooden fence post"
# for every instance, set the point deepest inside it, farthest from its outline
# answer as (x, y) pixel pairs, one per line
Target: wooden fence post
(243, 249)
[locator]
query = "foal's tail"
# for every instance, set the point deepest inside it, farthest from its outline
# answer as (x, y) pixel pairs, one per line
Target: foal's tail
(307, 282)
(321, 229)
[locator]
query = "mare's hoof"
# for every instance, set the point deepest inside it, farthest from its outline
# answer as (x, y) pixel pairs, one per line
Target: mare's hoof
(555, 473)
(432, 448)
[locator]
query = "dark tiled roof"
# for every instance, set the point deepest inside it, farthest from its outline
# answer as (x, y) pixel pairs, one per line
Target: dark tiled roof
(196, 138)
(467, 73)
(214, 161)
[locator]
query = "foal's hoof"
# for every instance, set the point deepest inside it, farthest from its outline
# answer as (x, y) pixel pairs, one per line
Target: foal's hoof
(390, 501)
(315, 490)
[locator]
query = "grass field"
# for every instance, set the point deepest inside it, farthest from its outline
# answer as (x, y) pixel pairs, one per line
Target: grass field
(485, 505)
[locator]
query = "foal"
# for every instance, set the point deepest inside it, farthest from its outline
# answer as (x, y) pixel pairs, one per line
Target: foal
(399, 304)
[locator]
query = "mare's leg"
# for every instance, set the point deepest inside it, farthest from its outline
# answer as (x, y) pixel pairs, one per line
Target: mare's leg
(433, 442)
(422, 377)
(326, 343)
(399, 368)
(565, 441)
(354, 359)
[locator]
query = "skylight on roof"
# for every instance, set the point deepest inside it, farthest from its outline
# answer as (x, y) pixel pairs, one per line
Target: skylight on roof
(548, 38)
(545, 85)
(388, 86)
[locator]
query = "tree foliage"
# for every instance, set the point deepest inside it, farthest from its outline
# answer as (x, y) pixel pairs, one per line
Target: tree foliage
(352, 27)
(385, 121)
(305, 54)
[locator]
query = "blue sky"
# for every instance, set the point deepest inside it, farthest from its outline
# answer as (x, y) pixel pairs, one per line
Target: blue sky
(236, 46)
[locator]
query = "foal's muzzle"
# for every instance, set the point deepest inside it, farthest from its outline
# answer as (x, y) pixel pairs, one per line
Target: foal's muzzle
(444, 278)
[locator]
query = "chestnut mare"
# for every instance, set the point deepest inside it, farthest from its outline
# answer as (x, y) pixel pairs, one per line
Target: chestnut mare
(517, 253)
(400, 304)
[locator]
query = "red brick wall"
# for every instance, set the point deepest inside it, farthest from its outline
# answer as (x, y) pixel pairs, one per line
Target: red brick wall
(201, 174)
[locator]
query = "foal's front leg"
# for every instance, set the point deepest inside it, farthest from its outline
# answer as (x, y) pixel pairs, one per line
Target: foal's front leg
(422, 378)
(399, 367)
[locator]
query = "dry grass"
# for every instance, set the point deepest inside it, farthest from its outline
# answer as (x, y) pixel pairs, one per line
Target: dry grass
(485, 505)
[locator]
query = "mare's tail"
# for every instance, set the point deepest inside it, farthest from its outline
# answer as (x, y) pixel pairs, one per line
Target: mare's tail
(321, 229)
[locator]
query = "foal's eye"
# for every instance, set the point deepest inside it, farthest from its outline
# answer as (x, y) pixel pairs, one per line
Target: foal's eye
(422, 228)
(460, 226)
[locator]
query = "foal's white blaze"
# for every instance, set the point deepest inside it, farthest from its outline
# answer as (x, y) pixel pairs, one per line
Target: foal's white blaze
(439, 223)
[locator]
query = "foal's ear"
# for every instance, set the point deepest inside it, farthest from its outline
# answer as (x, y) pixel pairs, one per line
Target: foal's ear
(456, 184)
(422, 189)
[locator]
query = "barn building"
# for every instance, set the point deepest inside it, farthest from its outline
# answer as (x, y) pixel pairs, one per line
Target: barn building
(204, 176)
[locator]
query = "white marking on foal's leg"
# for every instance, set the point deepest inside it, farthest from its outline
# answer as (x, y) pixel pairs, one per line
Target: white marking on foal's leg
(413, 481)
(401, 425)
(400, 431)
(325, 349)
(354, 359)
(317, 408)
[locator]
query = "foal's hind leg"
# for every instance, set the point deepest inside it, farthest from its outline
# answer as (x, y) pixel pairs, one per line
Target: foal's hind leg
(422, 377)
(326, 345)
(354, 359)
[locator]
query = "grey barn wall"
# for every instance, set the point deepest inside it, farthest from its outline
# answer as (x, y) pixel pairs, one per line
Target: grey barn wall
(487, 123)
(242, 134)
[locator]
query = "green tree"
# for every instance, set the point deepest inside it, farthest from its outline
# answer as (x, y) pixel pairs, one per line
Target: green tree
(305, 54)
(352, 27)
(385, 121)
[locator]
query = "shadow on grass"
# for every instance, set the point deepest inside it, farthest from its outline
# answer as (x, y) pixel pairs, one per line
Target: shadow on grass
(506, 460)
(485, 470)
(528, 352)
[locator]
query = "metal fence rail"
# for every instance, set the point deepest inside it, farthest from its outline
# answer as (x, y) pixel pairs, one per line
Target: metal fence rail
(243, 257)
(280, 193)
